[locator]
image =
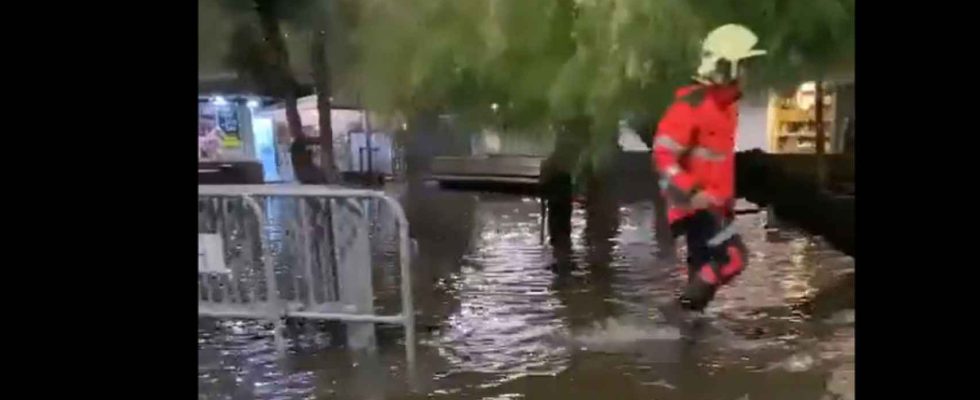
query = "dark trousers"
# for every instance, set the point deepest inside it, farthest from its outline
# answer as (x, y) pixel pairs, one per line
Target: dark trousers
(701, 228)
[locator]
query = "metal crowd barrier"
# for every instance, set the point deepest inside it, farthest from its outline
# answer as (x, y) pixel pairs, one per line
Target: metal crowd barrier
(252, 265)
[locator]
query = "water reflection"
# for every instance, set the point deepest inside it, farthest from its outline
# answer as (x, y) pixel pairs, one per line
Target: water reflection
(496, 321)
(506, 307)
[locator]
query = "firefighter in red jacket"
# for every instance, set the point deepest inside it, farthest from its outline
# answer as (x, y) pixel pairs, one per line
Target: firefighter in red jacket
(694, 155)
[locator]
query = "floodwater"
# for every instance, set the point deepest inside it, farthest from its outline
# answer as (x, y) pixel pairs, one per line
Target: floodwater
(498, 319)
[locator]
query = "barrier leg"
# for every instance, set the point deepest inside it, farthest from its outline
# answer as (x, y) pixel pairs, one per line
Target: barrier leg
(354, 271)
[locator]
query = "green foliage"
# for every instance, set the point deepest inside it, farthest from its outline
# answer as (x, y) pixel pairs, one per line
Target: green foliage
(805, 39)
(544, 63)
(552, 60)
(254, 59)
(232, 37)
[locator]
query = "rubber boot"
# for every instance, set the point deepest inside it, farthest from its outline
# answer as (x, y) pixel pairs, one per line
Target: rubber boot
(697, 295)
(701, 288)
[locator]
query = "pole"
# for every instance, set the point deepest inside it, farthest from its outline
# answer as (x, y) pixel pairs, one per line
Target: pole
(367, 138)
(370, 146)
(821, 137)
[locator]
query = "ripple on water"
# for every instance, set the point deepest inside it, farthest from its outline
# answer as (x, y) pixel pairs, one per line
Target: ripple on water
(509, 318)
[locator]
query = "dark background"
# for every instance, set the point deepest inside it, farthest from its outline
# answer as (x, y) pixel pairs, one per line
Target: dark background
(117, 210)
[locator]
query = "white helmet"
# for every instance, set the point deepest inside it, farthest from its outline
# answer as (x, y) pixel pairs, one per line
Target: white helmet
(731, 43)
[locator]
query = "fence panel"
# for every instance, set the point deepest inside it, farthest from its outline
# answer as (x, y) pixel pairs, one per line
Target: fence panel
(301, 252)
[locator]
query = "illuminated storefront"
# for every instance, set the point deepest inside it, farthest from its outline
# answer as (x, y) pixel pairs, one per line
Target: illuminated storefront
(230, 133)
(349, 139)
(792, 119)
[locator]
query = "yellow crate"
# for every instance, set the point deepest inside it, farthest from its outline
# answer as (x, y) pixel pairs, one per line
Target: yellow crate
(784, 115)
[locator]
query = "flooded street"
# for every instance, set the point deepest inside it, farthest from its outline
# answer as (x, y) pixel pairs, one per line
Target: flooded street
(499, 319)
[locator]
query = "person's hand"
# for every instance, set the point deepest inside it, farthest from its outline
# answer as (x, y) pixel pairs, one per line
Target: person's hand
(702, 200)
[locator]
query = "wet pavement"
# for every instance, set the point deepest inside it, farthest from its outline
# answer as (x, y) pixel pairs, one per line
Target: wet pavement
(497, 319)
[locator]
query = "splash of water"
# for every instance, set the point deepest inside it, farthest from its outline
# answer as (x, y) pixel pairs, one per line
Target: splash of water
(616, 332)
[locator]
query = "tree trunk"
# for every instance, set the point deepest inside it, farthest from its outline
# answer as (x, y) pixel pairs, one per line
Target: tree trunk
(661, 229)
(321, 79)
(556, 189)
(647, 127)
(290, 89)
(601, 216)
(424, 134)
(821, 137)
(557, 185)
(293, 120)
(368, 142)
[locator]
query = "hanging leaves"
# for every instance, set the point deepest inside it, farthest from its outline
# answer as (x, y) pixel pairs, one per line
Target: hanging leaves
(548, 61)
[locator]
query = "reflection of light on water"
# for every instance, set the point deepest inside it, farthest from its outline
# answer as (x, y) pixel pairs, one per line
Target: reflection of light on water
(507, 308)
(578, 228)
(796, 282)
(242, 359)
(507, 396)
(503, 314)
(775, 273)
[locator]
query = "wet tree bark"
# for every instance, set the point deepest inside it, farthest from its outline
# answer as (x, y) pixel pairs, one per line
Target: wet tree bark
(420, 143)
(557, 191)
(821, 145)
(322, 88)
(293, 120)
(272, 31)
(601, 216)
(557, 185)
(441, 221)
(661, 229)
(321, 80)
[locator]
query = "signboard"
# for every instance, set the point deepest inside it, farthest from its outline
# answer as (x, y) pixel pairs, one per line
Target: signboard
(211, 254)
(228, 123)
(228, 120)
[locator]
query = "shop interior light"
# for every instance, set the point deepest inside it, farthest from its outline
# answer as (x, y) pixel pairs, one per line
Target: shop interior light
(220, 101)
(252, 104)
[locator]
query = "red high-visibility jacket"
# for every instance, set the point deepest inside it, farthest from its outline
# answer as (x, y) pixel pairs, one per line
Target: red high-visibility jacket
(694, 148)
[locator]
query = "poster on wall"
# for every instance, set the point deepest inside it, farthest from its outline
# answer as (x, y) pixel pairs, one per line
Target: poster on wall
(228, 123)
